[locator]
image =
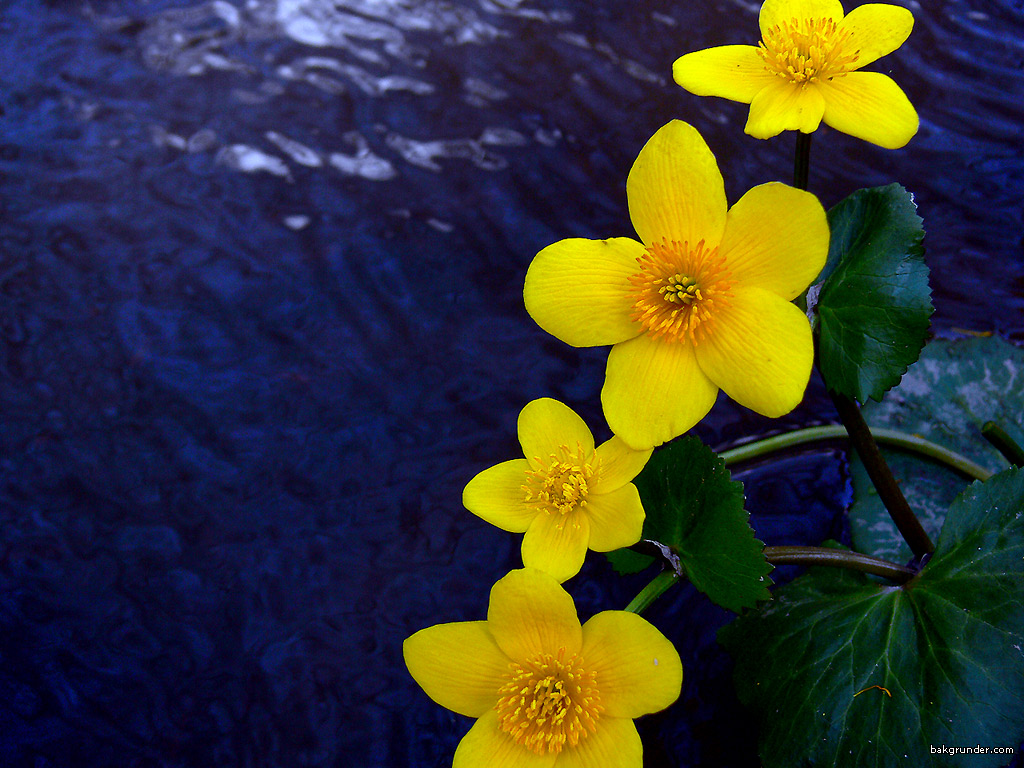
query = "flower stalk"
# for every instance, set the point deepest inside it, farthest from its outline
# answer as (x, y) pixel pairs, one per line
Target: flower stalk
(658, 586)
(1002, 442)
(839, 558)
(860, 436)
(889, 492)
(802, 166)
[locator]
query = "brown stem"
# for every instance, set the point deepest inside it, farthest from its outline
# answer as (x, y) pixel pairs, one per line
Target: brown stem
(878, 470)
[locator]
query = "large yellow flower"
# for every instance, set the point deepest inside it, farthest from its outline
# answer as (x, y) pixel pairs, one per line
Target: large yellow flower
(564, 495)
(546, 692)
(803, 71)
(702, 303)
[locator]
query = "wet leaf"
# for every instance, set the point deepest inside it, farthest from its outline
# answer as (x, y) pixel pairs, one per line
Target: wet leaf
(845, 671)
(946, 397)
(696, 508)
(874, 304)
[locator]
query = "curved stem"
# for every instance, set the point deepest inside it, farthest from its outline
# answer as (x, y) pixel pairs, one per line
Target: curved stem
(839, 558)
(658, 586)
(1003, 443)
(892, 437)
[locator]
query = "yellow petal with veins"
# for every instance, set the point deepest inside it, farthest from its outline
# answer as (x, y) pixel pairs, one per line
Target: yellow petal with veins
(557, 544)
(638, 668)
(876, 30)
(654, 390)
(733, 72)
(530, 614)
(497, 496)
(617, 465)
(577, 290)
(616, 519)
(780, 12)
(872, 107)
(760, 352)
(675, 190)
(459, 665)
(487, 745)
(785, 106)
(776, 238)
(545, 425)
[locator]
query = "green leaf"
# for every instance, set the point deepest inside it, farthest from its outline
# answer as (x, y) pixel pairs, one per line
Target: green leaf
(874, 304)
(694, 507)
(946, 397)
(946, 647)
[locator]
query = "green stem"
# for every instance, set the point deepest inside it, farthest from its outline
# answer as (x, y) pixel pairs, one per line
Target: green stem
(891, 437)
(1002, 441)
(658, 586)
(839, 558)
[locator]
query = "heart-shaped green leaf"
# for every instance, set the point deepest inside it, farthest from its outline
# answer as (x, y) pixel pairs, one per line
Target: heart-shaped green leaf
(694, 507)
(845, 671)
(874, 304)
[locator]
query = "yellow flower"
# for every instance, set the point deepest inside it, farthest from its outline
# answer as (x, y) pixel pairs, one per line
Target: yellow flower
(803, 71)
(546, 692)
(565, 495)
(702, 303)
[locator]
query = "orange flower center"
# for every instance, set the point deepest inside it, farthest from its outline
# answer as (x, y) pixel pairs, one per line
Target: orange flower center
(561, 485)
(808, 50)
(548, 702)
(678, 288)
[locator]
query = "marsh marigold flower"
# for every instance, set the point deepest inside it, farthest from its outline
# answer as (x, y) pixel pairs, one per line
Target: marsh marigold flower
(565, 495)
(546, 692)
(804, 71)
(701, 303)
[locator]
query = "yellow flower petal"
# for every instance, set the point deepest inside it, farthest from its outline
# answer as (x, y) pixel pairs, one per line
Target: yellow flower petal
(776, 238)
(734, 72)
(759, 351)
(876, 30)
(487, 745)
(618, 464)
(545, 425)
(784, 106)
(578, 290)
(557, 544)
(530, 614)
(616, 519)
(497, 496)
(781, 11)
(654, 390)
(638, 670)
(615, 744)
(458, 665)
(675, 190)
(870, 106)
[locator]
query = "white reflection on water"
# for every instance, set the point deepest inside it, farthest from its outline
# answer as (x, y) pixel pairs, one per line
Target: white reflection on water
(362, 47)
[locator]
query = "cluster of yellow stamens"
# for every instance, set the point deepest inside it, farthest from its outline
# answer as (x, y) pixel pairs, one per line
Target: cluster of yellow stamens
(562, 483)
(548, 702)
(677, 289)
(808, 50)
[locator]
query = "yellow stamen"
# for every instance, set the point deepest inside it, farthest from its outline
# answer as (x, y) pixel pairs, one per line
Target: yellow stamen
(548, 702)
(677, 290)
(562, 483)
(808, 50)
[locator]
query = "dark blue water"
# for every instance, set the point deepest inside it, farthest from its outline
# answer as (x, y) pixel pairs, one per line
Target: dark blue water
(261, 320)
